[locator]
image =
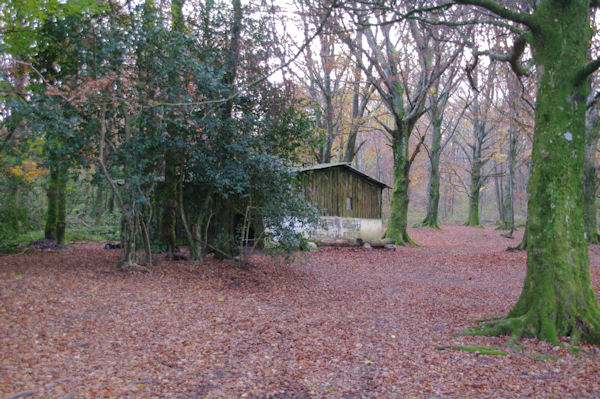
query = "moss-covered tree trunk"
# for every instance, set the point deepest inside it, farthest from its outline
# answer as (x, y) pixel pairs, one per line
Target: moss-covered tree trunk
(398, 220)
(557, 297)
(388, 84)
(476, 153)
(433, 187)
(508, 221)
(590, 209)
(474, 191)
(475, 183)
(590, 179)
(499, 191)
(477, 146)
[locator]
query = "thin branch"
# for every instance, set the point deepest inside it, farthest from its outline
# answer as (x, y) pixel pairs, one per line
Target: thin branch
(417, 150)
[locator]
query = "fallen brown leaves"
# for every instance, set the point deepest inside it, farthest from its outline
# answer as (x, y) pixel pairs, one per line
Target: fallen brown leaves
(341, 323)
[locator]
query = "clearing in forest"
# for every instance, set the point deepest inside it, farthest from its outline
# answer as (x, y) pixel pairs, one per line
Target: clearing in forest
(338, 323)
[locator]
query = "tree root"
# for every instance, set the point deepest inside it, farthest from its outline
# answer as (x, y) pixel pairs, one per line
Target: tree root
(529, 326)
(428, 223)
(521, 247)
(402, 239)
(513, 327)
(410, 241)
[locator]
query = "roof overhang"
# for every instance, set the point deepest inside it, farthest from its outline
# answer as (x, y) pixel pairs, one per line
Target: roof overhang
(346, 165)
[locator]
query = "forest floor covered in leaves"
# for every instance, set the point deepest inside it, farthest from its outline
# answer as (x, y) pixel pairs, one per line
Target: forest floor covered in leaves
(338, 323)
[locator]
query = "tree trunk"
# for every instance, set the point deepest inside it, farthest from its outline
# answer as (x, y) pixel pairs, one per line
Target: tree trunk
(508, 222)
(169, 211)
(354, 126)
(358, 105)
(328, 98)
(476, 179)
(590, 181)
(233, 58)
(51, 195)
(509, 208)
(61, 207)
(13, 200)
(398, 220)
(327, 93)
(111, 203)
(557, 298)
(128, 235)
(499, 194)
(590, 213)
(223, 243)
(433, 187)
(168, 218)
(57, 206)
(473, 219)
(523, 244)
(99, 206)
(474, 191)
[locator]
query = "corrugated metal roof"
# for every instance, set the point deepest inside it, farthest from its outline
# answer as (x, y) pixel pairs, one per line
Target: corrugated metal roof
(345, 165)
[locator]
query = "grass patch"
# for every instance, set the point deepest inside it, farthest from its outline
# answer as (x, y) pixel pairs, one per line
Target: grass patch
(95, 235)
(15, 244)
(75, 232)
(539, 356)
(481, 349)
(496, 351)
(575, 349)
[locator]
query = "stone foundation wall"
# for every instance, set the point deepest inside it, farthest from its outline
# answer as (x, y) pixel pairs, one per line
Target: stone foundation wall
(347, 228)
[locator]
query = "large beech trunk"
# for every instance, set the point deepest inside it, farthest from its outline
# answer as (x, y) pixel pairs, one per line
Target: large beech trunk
(590, 183)
(476, 171)
(433, 187)
(398, 221)
(557, 297)
(474, 192)
(508, 220)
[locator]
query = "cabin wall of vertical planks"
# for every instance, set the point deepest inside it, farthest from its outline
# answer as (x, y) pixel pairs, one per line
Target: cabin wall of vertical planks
(342, 191)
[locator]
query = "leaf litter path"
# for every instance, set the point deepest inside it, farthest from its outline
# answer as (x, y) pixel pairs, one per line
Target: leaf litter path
(339, 323)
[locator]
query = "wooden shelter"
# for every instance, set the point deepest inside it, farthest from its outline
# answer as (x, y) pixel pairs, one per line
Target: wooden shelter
(338, 189)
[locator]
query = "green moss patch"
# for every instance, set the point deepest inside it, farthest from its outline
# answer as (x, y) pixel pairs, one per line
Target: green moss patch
(539, 356)
(481, 349)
